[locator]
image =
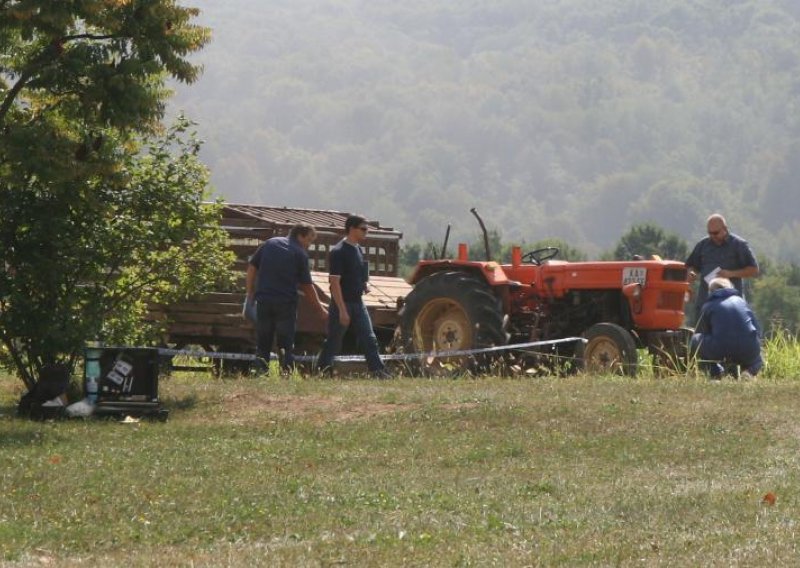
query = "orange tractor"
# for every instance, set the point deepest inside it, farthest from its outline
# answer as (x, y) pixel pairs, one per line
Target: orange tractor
(617, 307)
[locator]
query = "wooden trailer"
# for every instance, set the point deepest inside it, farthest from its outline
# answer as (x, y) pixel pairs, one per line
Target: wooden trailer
(214, 322)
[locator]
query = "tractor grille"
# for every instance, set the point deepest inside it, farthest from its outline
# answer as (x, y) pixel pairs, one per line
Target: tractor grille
(670, 301)
(675, 274)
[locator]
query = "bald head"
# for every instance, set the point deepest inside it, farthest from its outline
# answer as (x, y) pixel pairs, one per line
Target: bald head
(717, 228)
(716, 218)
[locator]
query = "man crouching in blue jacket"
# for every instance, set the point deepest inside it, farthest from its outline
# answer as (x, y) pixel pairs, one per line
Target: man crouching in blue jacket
(727, 331)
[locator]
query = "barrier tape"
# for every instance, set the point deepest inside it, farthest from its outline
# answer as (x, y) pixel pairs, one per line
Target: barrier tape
(361, 358)
(207, 354)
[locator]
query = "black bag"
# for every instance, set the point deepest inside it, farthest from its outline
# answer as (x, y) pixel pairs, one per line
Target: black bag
(53, 381)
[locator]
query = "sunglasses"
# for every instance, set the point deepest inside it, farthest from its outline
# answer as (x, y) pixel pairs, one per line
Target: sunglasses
(715, 233)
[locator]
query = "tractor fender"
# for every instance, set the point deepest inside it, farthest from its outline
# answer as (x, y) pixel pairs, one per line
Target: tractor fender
(491, 272)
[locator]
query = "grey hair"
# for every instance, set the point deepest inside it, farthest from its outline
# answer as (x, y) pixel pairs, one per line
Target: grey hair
(301, 230)
(718, 283)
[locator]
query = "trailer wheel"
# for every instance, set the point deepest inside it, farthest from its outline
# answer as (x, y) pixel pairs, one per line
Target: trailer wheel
(609, 348)
(451, 311)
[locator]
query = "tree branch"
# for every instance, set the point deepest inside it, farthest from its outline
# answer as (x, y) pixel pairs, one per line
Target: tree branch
(25, 374)
(92, 37)
(13, 92)
(45, 57)
(116, 299)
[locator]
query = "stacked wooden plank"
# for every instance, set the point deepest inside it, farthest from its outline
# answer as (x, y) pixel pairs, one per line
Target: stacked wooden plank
(214, 321)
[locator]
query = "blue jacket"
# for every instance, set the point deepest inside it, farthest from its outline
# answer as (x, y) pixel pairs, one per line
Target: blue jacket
(729, 329)
(727, 316)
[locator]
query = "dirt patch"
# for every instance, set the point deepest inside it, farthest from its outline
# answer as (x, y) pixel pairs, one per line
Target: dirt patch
(321, 409)
(244, 406)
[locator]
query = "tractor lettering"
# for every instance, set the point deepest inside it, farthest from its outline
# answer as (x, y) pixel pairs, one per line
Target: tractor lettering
(634, 275)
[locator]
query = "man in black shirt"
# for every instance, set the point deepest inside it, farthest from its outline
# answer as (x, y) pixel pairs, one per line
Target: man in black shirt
(275, 272)
(348, 276)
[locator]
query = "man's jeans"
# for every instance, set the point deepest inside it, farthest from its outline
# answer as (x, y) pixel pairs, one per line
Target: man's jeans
(276, 317)
(362, 325)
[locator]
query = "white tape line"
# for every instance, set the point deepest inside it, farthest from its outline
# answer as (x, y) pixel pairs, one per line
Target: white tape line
(208, 354)
(361, 358)
(455, 353)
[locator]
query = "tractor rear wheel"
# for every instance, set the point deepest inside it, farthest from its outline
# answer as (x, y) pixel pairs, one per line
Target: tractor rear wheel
(609, 348)
(451, 311)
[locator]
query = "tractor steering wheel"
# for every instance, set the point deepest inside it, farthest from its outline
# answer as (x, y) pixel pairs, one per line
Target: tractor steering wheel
(538, 256)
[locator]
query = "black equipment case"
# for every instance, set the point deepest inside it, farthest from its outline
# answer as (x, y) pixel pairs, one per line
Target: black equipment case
(129, 383)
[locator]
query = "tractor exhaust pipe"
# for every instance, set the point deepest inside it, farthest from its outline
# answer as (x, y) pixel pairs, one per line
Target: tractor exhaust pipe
(444, 245)
(485, 233)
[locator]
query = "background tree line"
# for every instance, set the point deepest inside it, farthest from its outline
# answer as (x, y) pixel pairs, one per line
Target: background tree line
(572, 120)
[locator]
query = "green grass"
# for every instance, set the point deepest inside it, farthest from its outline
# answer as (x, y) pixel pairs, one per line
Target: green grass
(782, 356)
(470, 472)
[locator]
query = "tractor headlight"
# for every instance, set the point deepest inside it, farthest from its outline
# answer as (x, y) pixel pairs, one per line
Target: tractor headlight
(633, 292)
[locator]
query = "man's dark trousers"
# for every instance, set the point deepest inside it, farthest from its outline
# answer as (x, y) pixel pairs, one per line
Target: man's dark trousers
(276, 318)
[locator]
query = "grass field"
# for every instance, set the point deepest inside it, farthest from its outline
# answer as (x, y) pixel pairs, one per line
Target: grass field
(413, 472)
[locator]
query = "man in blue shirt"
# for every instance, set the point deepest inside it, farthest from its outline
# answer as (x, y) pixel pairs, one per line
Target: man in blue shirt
(727, 331)
(720, 255)
(349, 277)
(275, 272)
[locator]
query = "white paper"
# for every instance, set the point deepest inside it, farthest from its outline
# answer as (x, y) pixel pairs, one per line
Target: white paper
(711, 275)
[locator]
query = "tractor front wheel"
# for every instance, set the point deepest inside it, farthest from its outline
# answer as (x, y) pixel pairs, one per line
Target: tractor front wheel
(609, 348)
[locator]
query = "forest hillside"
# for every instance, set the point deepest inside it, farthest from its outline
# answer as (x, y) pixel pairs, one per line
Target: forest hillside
(572, 119)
